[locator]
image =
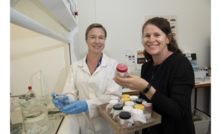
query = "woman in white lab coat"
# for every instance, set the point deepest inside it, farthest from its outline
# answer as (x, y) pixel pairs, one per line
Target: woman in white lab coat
(90, 83)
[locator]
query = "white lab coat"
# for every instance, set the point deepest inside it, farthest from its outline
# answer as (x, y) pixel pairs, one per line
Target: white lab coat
(95, 89)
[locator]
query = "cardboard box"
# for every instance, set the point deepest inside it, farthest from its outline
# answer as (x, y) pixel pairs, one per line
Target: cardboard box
(156, 119)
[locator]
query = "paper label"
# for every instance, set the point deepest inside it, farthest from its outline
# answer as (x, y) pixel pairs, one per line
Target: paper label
(112, 111)
(121, 74)
(107, 107)
(125, 121)
(140, 117)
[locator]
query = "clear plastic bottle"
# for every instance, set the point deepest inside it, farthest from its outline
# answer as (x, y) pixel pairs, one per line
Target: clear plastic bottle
(138, 117)
(125, 119)
(64, 102)
(109, 107)
(121, 70)
(148, 109)
(117, 109)
(30, 94)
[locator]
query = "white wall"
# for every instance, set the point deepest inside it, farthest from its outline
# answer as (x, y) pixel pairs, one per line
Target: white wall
(123, 20)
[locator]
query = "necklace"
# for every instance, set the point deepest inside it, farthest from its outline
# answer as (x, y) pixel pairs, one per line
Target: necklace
(156, 71)
(159, 66)
(95, 65)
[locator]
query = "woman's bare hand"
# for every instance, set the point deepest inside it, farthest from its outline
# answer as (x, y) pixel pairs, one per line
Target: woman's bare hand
(132, 82)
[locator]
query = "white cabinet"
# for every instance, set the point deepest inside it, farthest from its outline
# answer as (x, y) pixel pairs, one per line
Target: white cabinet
(61, 10)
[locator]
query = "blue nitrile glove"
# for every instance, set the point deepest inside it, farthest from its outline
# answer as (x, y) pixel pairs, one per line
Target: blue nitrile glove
(76, 107)
(56, 102)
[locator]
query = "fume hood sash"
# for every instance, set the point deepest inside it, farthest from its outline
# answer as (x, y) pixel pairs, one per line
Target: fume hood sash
(19, 19)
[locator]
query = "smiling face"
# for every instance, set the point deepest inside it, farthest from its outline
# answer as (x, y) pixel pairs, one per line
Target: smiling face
(155, 40)
(95, 40)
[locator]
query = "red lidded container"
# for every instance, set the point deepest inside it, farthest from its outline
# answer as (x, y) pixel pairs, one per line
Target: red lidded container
(122, 68)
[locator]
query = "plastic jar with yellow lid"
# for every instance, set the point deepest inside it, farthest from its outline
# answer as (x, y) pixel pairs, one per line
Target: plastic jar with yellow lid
(125, 96)
(139, 106)
(123, 100)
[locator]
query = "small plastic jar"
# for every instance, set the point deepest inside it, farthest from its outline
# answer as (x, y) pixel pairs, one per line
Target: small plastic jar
(148, 109)
(133, 98)
(121, 70)
(125, 119)
(117, 109)
(110, 105)
(138, 117)
(125, 96)
(139, 101)
(63, 100)
(123, 100)
(128, 108)
(129, 103)
(139, 106)
(115, 98)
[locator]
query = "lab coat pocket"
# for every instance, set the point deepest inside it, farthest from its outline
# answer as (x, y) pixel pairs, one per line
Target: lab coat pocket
(103, 86)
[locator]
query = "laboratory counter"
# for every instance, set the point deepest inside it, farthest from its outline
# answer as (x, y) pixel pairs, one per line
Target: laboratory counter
(55, 119)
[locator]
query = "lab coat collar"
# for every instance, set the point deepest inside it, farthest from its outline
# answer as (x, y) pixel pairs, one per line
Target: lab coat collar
(104, 61)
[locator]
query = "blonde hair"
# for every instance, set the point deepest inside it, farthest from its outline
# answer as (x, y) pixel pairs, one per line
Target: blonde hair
(95, 25)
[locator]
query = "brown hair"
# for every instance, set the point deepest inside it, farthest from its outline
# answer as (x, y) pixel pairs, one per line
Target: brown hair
(164, 26)
(95, 25)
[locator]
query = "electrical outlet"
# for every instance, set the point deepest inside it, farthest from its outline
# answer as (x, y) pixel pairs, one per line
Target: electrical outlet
(130, 57)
